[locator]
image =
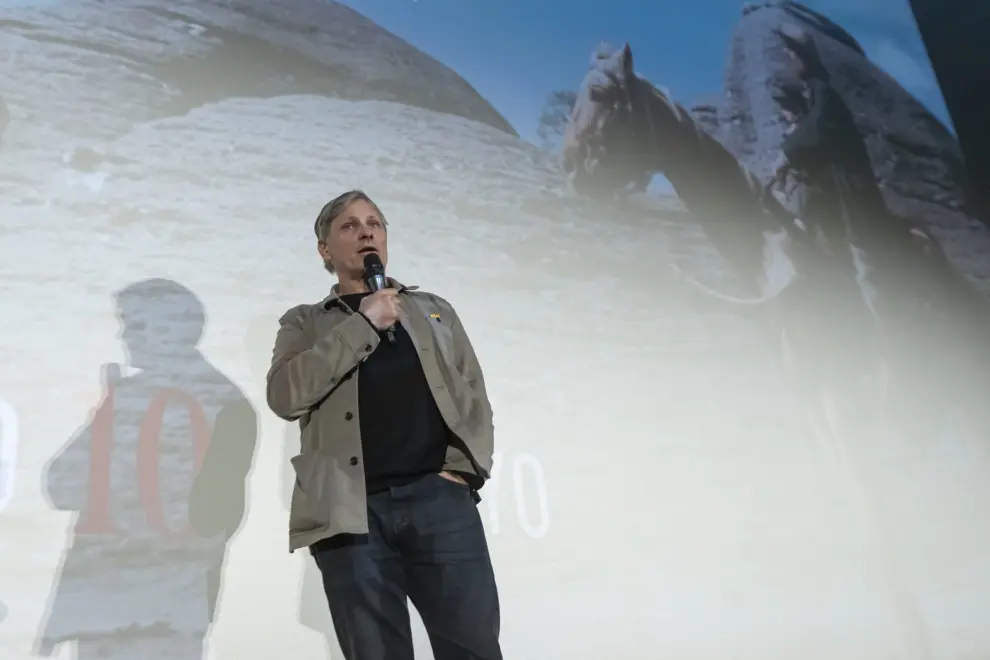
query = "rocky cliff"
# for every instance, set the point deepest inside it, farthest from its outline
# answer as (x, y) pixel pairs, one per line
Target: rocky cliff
(154, 60)
(916, 159)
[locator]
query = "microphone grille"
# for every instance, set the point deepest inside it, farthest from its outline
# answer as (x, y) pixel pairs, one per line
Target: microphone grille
(373, 264)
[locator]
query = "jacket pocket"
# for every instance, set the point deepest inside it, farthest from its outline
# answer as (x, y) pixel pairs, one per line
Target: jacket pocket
(310, 507)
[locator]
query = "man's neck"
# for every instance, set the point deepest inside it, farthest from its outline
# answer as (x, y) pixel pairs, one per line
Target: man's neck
(349, 286)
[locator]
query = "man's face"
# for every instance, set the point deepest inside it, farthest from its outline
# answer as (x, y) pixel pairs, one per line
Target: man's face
(145, 341)
(353, 234)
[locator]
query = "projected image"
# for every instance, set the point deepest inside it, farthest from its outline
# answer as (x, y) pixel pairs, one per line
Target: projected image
(721, 264)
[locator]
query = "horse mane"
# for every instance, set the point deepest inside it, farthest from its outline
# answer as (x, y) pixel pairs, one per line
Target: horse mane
(725, 197)
(703, 144)
(663, 94)
(706, 146)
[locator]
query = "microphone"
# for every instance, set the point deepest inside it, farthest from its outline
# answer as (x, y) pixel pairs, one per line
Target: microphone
(374, 272)
(374, 278)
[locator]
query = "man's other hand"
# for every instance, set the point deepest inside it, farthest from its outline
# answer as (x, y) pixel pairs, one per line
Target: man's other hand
(382, 308)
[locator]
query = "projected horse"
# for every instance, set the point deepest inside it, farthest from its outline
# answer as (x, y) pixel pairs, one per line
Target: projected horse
(622, 126)
(819, 291)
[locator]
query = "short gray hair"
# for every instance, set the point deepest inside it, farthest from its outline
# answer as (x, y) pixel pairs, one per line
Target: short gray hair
(332, 210)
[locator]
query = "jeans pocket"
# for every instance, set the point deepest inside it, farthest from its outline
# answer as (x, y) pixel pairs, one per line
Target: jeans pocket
(451, 482)
(459, 488)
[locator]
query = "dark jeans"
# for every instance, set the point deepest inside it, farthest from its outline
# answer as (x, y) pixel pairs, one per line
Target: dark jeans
(425, 542)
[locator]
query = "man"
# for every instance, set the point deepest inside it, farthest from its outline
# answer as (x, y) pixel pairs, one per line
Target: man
(397, 439)
(824, 147)
(912, 287)
(165, 459)
(832, 326)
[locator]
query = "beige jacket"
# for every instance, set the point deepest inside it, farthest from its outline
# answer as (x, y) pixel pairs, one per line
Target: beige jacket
(314, 378)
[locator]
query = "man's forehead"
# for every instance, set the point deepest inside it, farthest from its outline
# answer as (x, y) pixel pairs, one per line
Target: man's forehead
(360, 209)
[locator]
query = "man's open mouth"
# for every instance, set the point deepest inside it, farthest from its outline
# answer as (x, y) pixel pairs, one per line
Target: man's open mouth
(366, 250)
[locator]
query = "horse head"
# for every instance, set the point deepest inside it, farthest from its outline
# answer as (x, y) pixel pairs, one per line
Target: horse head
(602, 142)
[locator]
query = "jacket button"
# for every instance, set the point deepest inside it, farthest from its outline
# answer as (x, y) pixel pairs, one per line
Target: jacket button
(367, 348)
(354, 460)
(349, 416)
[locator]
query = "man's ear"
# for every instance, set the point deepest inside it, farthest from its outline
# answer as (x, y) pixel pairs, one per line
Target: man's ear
(626, 61)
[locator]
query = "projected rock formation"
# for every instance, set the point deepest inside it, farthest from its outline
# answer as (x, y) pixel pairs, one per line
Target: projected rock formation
(165, 60)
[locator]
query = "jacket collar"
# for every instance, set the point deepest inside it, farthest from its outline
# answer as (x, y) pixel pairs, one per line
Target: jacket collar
(333, 300)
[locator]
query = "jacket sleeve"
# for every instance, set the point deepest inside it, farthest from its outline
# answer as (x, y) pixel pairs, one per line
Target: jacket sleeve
(303, 373)
(469, 367)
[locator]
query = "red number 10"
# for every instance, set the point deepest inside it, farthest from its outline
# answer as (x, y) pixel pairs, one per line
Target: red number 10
(99, 519)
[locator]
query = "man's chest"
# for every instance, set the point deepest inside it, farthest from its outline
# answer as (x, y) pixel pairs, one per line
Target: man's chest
(395, 360)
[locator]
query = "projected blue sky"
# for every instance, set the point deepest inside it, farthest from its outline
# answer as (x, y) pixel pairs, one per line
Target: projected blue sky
(516, 51)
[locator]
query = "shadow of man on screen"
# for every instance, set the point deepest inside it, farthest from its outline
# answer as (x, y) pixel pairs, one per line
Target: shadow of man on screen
(8, 466)
(313, 610)
(158, 478)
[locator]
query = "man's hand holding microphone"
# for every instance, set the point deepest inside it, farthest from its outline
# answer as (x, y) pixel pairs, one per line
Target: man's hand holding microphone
(382, 308)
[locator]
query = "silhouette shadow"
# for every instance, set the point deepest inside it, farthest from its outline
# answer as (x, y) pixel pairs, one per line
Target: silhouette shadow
(314, 612)
(4, 121)
(8, 466)
(8, 453)
(158, 478)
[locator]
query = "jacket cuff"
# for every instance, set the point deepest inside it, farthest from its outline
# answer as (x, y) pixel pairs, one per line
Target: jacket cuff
(361, 314)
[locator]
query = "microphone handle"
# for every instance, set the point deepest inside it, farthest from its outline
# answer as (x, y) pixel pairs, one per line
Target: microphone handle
(377, 283)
